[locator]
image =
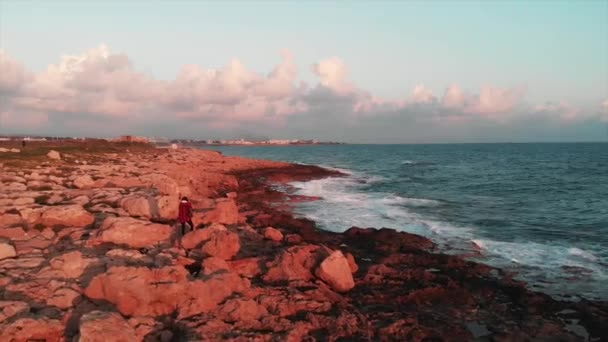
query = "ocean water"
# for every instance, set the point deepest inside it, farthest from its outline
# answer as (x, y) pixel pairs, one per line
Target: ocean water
(539, 210)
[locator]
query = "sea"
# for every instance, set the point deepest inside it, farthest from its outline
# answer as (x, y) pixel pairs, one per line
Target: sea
(538, 210)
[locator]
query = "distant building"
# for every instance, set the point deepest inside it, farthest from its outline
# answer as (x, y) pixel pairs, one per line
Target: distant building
(132, 138)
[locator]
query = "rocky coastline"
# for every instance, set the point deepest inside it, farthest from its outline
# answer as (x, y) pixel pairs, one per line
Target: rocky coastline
(89, 251)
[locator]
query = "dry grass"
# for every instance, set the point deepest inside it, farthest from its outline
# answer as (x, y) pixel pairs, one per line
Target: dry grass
(34, 153)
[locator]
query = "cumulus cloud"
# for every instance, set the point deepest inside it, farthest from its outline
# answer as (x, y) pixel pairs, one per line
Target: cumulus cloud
(12, 74)
(87, 91)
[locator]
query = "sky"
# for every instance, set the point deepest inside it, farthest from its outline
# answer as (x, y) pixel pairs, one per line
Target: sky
(353, 71)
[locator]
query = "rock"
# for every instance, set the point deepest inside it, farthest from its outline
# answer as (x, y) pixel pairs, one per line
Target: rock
(242, 310)
(63, 298)
(101, 326)
(293, 239)
(140, 290)
(12, 187)
(9, 309)
(9, 220)
(222, 244)
(352, 264)
(66, 215)
(29, 329)
(214, 264)
(248, 267)
(165, 184)
(168, 207)
(54, 155)
(84, 182)
(132, 232)
(70, 265)
(295, 263)
(138, 206)
(7, 250)
(273, 234)
(15, 150)
(225, 212)
(162, 291)
(23, 201)
(336, 272)
(82, 200)
(194, 238)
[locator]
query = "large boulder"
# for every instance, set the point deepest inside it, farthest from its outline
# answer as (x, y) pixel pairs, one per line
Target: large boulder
(168, 207)
(336, 271)
(136, 205)
(69, 265)
(295, 263)
(273, 234)
(9, 220)
(224, 245)
(132, 232)
(53, 155)
(84, 182)
(101, 326)
(7, 250)
(195, 238)
(214, 264)
(29, 329)
(66, 215)
(165, 184)
(140, 291)
(225, 212)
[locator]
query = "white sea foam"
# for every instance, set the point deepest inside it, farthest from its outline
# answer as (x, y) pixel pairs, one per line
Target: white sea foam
(344, 205)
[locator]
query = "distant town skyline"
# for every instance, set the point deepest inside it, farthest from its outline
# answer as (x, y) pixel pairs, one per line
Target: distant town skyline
(356, 72)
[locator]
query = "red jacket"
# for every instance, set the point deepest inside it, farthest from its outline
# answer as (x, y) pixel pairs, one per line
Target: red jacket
(185, 211)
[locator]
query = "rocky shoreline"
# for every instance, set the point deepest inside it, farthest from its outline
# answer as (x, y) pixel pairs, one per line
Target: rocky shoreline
(89, 251)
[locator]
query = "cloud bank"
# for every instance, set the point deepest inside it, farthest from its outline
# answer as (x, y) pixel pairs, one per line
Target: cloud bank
(102, 93)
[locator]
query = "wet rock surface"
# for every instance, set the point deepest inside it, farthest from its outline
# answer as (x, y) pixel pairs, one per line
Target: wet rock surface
(92, 252)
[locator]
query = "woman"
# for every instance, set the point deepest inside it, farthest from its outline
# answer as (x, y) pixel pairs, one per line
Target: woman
(185, 214)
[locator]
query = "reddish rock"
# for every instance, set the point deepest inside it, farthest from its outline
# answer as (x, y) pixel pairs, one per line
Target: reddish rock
(64, 298)
(195, 238)
(352, 263)
(204, 296)
(241, 310)
(69, 265)
(165, 184)
(15, 234)
(145, 326)
(9, 309)
(273, 234)
(153, 292)
(84, 182)
(132, 232)
(167, 207)
(336, 271)
(293, 239)
(248, 267)
(29, 329)
(225, 212)
(9, 220)
(7, 250)
(222, 244)
(140, 290)
(214, 264)
(66, 215)
(295, 263)
(101, 326)
(136, 205)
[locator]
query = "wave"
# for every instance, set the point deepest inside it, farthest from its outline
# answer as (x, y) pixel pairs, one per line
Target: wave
(346, 203)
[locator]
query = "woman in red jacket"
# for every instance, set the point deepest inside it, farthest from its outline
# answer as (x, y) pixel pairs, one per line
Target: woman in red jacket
(185, 214)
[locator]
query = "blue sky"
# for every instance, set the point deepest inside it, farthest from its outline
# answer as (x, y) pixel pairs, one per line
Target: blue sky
(556, 50)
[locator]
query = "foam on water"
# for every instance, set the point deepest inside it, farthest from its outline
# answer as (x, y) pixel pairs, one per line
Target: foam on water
(344, 204)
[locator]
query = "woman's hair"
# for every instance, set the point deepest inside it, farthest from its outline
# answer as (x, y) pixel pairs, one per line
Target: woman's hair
(184, 198)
